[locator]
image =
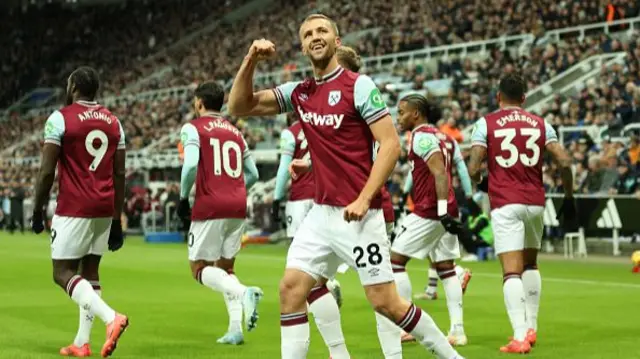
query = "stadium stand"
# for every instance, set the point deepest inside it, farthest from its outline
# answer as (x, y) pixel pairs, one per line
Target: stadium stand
(151, 118)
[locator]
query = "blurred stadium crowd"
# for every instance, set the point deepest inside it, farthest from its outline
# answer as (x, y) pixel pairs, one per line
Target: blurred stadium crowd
(119, 38)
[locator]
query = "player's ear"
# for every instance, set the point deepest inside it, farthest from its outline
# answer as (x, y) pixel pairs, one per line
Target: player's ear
(523, 98)
(338, 41)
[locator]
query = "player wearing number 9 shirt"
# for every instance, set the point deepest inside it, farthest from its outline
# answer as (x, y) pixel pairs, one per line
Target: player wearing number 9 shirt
(217, 159)
(87, 143)
(514, 141)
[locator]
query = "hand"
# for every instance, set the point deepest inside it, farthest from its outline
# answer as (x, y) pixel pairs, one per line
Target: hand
(37, 221)
(276, 217)
(356, 210)
(298, 167)
(262, 49)
(116, 237)
(451, 224)
(569, 213)
(184, 209)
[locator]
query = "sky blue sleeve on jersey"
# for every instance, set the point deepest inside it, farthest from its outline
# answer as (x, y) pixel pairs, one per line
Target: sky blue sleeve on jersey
(463, 172)
(425, 144)
(191, 144)
(54, 128)
(408, 183)
(251, 174)
(282, 177)
(550, 134)
(283, 95)
(479, 134)
(368, 100)
(287, 143)
(122, 143)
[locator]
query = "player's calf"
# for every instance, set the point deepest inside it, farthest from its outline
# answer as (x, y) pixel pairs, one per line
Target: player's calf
(385, 300)
(294, 322)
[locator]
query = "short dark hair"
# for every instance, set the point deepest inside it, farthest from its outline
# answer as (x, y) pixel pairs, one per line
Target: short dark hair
(349, 58)
(86, 81)
(513, 87)
(212, 95)
(427, 108)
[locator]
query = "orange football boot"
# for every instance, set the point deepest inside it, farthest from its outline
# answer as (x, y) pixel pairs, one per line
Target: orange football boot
(465, 280)
(114, 331)
(74, 351)
(516, 347)
(531, 337)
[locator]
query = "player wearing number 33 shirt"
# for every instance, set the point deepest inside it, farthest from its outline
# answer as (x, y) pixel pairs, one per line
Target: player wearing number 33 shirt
(217, 159)
(514, 141)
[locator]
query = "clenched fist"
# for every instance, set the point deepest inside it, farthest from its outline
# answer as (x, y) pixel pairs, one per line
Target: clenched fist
(262, 49)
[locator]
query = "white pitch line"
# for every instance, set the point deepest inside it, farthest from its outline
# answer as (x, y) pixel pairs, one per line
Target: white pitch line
(482, 274)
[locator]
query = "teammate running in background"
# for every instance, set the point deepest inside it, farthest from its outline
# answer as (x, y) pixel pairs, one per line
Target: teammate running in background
(464, 275)
(513, 142)
(430, 231)
(342, 113)
(86, 141)
(216, 157)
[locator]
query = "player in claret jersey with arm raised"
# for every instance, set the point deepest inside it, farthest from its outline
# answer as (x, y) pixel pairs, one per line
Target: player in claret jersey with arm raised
(513, 142)
(85, 140)
(217, 159)
(342, 114)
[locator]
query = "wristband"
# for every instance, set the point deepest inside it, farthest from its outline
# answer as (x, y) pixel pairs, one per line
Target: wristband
(442, 207)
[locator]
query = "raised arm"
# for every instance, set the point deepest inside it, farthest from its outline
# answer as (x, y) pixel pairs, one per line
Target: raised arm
(243, 101)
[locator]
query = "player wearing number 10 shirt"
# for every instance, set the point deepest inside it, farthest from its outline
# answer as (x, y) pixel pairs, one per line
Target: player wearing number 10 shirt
(87, 143)
(514, 141)
(342, 113)
(217, 159)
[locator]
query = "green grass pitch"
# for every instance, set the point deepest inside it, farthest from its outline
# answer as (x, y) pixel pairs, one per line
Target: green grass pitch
(590, 310)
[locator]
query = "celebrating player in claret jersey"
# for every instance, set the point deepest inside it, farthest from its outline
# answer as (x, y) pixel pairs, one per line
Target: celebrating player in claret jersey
(215, 157)
(514, 142)
(86, 142)
(430, 231)
(342, 113)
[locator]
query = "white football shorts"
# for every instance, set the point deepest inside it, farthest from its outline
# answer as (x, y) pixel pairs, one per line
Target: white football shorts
(517, 226)
(325, 240)
(295, 211)
(75, 237)
(212, 239)
(420, 238)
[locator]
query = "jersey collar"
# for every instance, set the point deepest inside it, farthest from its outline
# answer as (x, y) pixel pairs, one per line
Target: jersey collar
(330, 76)
(512, 108)
(211, 114)
(87, 103)
(421, 126)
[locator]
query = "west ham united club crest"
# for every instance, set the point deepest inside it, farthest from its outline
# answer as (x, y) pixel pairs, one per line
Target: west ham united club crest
(334, 97)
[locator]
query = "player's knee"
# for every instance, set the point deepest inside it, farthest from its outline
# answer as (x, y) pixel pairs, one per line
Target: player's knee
(383, 298)
(444, 266)
(196, 270)
(293, 294)
(61, 277)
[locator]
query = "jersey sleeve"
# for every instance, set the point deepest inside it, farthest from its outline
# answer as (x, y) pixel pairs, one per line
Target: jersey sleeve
(247, 152)
(283, 95)
(425, 145)
(189, 135)
(368, 100)
(550, 134)
(54, 128)
(287, 143)
(122, 144)
(479, 134)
